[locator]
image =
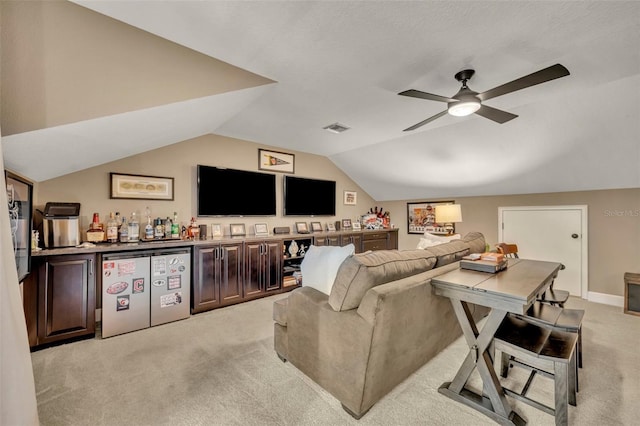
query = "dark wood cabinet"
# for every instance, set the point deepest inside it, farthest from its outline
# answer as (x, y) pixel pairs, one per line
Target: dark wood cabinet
(263, 268)
(354, 238)
(217, 276)
(66, 297)
(328, 240)
(380, 240)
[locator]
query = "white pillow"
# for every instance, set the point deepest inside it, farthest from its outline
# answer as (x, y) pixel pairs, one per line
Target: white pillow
(320, 266)
(430, 240)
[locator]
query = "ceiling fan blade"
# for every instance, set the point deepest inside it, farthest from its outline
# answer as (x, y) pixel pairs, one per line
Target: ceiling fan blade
(494, 114)
(424, 95)
(423, 122)
(542, 76)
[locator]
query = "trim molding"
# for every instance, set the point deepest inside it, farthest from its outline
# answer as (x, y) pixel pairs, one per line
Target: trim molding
(607, 299)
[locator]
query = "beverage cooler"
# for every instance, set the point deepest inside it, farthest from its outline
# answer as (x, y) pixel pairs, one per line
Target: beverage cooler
(144, 289)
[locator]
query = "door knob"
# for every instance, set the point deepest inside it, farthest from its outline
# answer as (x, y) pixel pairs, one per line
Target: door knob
(574, 236)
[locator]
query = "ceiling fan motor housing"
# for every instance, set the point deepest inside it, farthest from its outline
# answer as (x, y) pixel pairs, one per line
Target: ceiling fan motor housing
(467, 104)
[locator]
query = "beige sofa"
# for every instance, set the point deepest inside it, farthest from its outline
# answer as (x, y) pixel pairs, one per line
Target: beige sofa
(380, 323)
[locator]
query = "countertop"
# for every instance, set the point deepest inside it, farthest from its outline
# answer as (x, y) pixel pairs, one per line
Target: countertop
(172, 243)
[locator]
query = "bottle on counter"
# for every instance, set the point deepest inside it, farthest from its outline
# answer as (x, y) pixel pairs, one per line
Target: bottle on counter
(158, 229)
(148, 229)
(96, 233)
(167, 227)
(194, 230)
(134, 228)
(118, 219)
(175, 226)
(112, 229)
(123, 231)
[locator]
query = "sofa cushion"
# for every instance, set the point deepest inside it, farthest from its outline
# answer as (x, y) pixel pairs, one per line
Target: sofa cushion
(320, 266)
(477, 243)
(360, 272)
(449, 252)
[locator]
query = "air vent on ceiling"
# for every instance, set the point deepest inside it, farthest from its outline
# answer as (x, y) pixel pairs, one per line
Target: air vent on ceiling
(336, 128)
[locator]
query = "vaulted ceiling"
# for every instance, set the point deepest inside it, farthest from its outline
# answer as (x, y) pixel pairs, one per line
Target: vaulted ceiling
(277, 72)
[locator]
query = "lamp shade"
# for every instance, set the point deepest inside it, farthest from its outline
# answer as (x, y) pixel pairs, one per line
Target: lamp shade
(448, 213)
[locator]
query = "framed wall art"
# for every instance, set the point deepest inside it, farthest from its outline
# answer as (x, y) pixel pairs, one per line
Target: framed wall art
(350, 198)
(274, 161)
(139, 187)
(346, 223)
(316, 227)
(421, 217)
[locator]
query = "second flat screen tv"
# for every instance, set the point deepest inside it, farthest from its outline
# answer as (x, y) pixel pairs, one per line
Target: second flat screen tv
(230, 192)
(309, 197)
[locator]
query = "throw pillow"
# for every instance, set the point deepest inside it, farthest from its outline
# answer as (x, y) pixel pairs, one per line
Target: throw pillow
(320, 266)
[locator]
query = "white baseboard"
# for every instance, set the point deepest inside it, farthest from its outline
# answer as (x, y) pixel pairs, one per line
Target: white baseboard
(607, 299)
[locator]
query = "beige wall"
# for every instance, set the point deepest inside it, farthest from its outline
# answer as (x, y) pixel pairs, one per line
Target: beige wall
(91, 187)
(614, 228)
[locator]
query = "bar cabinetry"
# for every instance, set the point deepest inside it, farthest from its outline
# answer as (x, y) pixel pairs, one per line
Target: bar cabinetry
(263, 268)
(217, 277)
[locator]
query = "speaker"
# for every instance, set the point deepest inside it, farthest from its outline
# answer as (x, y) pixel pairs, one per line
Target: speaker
(203, 232)
(337, 225)
(281, 230)
(632, 293)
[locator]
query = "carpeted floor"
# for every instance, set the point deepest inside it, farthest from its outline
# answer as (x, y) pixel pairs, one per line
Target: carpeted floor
(219, 368)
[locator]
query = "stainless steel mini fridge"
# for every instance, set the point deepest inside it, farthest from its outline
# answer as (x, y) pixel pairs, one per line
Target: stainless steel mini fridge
(142, 289)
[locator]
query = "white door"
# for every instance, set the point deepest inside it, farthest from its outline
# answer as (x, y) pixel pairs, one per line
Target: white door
(557, 234)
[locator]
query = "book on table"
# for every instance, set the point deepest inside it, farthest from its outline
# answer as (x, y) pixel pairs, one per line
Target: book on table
(484, 265)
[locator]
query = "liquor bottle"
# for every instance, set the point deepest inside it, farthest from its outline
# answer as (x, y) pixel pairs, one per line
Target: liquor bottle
(95, 234)
(167, 227)
(118, 219)
(123, 231)
(175, 226)
(112, 229)
(158, 229)
(134, 228)
(148, 229)
(194, 230)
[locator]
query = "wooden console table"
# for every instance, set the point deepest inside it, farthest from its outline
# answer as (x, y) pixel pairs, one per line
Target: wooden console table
(513, 290)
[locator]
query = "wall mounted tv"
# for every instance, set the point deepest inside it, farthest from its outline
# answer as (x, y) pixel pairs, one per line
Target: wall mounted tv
(230, 192)
(309, 197)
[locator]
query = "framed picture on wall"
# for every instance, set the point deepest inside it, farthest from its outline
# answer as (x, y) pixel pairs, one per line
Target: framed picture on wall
(421, 216)
(274, 161)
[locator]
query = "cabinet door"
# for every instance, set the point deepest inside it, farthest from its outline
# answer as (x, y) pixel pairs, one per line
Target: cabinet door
(319, 241)
(334, 240)
(230, 266)
(66, 305)
(273, 265)
(254, 266)
(205, 290)
(355, 239)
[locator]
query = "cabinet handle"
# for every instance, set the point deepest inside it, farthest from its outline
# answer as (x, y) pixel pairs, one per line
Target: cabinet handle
(221, 253)
(90, 266)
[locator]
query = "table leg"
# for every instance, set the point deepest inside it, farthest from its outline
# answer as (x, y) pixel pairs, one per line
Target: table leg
(494, 402)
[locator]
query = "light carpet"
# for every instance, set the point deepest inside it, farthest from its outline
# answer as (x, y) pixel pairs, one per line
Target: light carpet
(219, 368)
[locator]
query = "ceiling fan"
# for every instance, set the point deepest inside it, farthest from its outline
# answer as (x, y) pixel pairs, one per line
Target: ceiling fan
(467, 102)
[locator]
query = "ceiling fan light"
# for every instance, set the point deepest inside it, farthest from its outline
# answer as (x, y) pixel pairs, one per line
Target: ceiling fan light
(461, 109)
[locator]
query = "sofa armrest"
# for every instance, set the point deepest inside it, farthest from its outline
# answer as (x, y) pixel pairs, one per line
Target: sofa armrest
(330, 347)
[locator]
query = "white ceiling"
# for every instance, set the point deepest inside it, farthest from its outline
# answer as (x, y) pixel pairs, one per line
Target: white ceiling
(346, 61)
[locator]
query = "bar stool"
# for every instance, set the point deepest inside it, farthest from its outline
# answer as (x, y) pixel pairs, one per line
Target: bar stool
(546, 351)
(556, 318)
(550, 296)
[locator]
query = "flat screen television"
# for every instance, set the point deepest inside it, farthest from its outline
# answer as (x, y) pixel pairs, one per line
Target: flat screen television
(309, 197)
(230, 192)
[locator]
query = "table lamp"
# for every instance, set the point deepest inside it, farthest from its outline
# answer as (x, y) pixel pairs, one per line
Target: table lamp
(448, 214)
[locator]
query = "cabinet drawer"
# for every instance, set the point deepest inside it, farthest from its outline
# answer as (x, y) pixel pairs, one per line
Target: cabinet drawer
(374, 245)
(375, 236)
